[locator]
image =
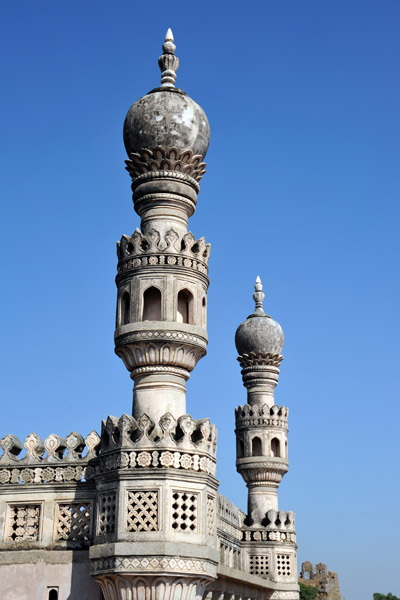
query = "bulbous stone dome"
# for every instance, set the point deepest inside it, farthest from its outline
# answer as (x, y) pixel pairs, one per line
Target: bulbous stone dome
(167, 117)
(259, 333)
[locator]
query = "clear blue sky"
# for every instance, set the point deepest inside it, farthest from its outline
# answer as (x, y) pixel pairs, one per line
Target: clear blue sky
(302, 188)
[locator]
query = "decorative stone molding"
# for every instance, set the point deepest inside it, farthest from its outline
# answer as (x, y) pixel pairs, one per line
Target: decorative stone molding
(262, 473)
(179, 355)
(165, 159)
(253, 416)
(176, 564)
(158, 460)
(163, 335)
(164, 176)
(251, 361)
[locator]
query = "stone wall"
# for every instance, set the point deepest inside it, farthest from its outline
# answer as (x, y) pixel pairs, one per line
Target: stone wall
(327, 582)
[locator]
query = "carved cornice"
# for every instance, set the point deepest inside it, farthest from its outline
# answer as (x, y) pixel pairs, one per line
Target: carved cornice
(162, 335)
(178, 355)
(165, 160)
(261, 473)
(151, 563)
(258, 416)
(152, 249)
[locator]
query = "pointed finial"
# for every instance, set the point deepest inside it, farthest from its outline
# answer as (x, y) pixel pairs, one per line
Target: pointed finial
(258, 297)
(168, 62)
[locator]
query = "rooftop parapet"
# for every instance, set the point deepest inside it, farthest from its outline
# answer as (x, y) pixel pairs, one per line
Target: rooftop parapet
(56, 459)
(184, 433)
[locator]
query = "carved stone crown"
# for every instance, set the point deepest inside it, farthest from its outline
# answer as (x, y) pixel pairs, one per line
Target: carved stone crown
(184, 433)
(162, 159)
(251, 416)
(169, 249)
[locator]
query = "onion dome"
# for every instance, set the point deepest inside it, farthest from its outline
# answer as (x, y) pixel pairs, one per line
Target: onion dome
(167, 117)
(259, 333)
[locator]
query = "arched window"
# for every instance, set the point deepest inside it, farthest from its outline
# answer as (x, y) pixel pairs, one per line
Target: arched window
(240, 449)
(152, 304)
(204, 313)
(53, 594)
(256, 448)
(185, 307)
(125, 308)
(275, 447)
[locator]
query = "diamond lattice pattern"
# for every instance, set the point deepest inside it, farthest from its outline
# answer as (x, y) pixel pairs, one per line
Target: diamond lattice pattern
(142, 511)
(74, 520)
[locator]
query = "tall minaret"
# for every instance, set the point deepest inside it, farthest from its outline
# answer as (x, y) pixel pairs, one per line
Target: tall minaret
(162, 270)
(261, 426)
(261, 455)
(156, 491)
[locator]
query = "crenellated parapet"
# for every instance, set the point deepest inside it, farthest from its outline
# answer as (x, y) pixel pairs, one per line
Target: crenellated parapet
(55, 460)
(169, 249)
(254, 416)
(182, 443)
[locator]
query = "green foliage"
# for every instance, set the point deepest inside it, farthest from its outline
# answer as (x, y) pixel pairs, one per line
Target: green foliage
(309, 592)
(388, 596)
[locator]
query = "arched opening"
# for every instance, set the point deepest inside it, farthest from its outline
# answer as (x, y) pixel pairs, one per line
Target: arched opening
(275, 447)
(125, 308)
(256, 448)
(240, 449)
(53, 594)
(185, 307)
(204, 313)
(152, 304)
(307, 575)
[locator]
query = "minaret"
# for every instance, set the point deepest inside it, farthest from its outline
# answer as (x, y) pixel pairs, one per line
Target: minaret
(156, 491)
(162, 270)
(261, 426)
(261, 450)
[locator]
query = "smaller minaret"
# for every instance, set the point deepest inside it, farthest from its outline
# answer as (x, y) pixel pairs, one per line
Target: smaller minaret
(261, 425)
